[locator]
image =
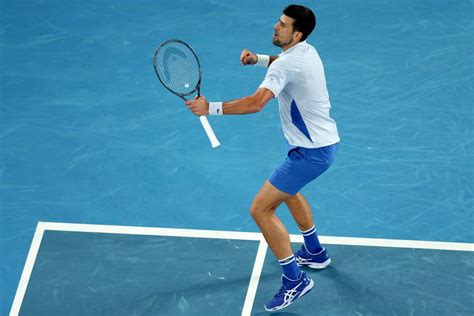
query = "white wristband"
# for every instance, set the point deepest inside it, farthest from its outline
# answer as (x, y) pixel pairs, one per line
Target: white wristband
(215, 108)
(263, 60)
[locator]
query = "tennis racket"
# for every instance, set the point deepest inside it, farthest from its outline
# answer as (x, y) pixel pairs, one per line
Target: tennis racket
(178, 69)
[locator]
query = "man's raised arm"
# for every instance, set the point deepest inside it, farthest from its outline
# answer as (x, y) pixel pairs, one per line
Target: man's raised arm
(249, 58)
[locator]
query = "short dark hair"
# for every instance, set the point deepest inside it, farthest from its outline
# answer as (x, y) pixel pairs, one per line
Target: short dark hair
(305, 20)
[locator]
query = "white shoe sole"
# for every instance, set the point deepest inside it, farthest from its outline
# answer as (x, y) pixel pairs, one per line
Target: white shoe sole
(314, 265)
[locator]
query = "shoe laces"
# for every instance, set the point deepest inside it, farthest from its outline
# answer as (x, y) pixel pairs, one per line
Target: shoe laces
(280, 292)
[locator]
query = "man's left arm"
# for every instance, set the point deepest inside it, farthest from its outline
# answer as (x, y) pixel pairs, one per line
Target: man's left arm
(246, 105)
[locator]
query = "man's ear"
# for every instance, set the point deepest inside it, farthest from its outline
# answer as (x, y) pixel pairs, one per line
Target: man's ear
(298, 36)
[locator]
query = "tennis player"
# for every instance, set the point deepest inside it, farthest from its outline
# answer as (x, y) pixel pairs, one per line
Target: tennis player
(296, 78)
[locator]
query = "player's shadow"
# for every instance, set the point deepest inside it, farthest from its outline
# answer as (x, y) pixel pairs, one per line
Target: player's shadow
(165, 298)
(351, 290)
(275, 314)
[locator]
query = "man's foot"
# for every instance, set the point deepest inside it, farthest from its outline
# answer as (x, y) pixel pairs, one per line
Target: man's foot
(318, 260)
(289, 292)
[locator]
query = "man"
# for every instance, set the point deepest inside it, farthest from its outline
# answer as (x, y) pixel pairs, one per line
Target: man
(296, 78)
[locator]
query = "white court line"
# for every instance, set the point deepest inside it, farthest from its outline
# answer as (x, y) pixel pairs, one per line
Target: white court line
(151, 231)
(25, 276)
(255, 278)
(193, 233)
(390, 243)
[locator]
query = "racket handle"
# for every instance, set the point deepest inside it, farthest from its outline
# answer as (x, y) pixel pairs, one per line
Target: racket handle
(210, 133)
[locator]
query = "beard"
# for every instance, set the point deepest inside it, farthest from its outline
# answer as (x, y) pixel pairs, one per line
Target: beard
(279, 43)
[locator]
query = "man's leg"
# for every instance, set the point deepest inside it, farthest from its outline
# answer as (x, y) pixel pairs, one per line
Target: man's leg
(301, 211)
(263, 210)
(312, 254)
(295, 282)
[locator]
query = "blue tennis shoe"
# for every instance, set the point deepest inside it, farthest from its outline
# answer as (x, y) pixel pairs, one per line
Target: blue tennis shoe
(319, 260)
(289, 292)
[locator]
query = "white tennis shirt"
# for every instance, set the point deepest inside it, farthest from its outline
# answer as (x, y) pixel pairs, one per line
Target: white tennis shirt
(297, 79)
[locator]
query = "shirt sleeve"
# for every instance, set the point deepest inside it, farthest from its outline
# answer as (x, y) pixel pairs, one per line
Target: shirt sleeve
(278, 75)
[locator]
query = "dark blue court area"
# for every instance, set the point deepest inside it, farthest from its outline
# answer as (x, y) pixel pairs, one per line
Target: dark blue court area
(100, 274)
(88, 135)
(79, 273)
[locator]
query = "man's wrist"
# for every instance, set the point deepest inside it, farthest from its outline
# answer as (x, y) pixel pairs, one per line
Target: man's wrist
(215, 108)
(262, 60)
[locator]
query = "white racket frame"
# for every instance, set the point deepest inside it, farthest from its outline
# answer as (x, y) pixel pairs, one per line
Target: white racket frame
(205, 123)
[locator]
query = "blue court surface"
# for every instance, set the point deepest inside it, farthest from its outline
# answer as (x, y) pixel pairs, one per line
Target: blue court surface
(75, 269)
(89, 136)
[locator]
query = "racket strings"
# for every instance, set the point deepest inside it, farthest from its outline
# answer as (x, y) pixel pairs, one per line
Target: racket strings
(177, 67)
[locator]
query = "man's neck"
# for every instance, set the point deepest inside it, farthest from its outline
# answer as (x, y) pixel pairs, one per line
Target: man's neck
(289, 45)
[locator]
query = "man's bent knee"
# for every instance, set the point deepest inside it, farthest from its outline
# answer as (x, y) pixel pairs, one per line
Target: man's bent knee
(266, 201)
(259, 210)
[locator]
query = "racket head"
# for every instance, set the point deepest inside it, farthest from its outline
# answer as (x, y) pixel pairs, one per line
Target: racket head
(178, 68)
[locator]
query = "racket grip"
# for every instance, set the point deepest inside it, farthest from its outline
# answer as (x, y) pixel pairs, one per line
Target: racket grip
(210, 133)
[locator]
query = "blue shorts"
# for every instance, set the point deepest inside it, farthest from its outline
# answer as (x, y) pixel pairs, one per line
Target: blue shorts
(302, 166)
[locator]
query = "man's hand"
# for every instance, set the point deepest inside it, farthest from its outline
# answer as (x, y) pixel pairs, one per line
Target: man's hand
(198, 106)
(248, 58)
